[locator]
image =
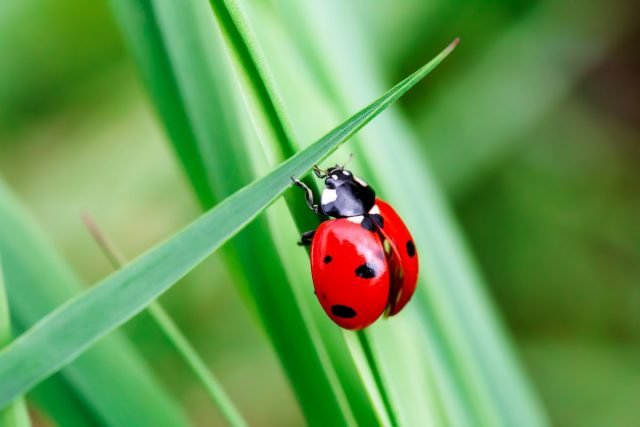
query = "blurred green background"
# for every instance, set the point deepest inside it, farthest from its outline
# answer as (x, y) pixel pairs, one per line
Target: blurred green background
(532, 128)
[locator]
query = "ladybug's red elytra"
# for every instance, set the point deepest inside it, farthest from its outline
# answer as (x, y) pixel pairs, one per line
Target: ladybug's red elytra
(364, 261)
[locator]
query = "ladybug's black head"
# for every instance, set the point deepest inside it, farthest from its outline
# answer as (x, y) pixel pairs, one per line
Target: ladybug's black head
(345, 194)
(336, 176)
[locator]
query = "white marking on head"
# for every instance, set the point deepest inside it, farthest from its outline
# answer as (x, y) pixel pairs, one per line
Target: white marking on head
(357, 219)
(360, 181)
(328, 196)
(375, 210)
(346, 173)
(334, 176)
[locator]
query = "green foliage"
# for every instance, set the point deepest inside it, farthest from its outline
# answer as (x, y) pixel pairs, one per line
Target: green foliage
(109, 384)
(472, 365)
(503, 95)
(73, 327)
(14, 415)
(526, 137)
(173, 334)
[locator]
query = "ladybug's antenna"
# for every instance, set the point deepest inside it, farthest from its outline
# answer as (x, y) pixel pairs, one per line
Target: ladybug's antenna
(348, 160)
(319, 172)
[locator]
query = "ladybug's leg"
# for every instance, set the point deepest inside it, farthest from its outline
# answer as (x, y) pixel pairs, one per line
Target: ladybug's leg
(306, 238)
(308, 195)
(319, 172)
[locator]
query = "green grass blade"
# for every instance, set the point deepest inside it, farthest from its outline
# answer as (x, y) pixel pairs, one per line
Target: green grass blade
(173, 333)
(110, 384)
(242, 44)
(253, 67)
(241, 39)
(60, 402)
(375, 372)
(198, 367)
(194, 94)
(14, 415)
(142, 32)
(72, 328)
(471, 360)
(395, 378)
(475, 342)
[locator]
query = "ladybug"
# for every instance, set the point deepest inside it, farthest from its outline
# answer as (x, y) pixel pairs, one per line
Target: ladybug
(363, 261)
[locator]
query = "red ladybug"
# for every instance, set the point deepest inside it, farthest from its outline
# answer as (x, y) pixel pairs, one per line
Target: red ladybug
(363, 262)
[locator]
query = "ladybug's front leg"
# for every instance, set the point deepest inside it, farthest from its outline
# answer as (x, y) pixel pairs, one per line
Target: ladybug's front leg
(306, 238)
(308, 195)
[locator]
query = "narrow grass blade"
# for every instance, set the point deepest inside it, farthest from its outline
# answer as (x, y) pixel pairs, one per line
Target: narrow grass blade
(241, 40)
(142, 32)
(110, 384)
(375, 371)
(320, 367)
(395, 379)
(471, 361)
(184, 64)
(14, 415)
(60, 402)
(169, 328)
(68, 331)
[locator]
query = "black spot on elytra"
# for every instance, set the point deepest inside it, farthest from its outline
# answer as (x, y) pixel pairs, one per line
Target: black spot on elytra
(367, 224)
(377, 218)
(365, 271)
(343, 311)
(411, 248)
(327, 259)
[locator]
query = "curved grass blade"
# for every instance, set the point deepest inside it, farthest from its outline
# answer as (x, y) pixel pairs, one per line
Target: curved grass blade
(14, 415)
(491, 385)
(72, 328)
(173, 333)
(472, 363)
(242, 44)
(394, 378)
(241, 39)
(142, 31)
(110, 384)
(245, 49)
(194, 92)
